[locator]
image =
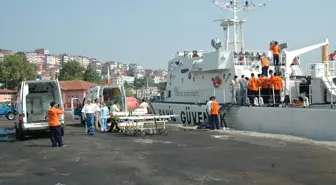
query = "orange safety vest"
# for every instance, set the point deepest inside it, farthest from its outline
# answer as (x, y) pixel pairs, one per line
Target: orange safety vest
(270, 81)
(264, 82)
(277, 83)
(275, 49)
(254, 83)
(264, 61)
(214, 107)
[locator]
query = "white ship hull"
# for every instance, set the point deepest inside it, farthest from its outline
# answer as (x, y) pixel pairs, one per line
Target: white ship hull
(316, 123)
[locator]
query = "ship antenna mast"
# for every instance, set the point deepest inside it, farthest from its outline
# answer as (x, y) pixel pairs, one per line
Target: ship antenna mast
(235, 23)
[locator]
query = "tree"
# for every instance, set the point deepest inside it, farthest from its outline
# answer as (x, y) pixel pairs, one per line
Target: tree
(91, 75)
(71, 70)
(14, 69)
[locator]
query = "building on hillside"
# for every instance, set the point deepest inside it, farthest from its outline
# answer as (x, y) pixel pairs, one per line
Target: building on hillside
(32, 57)
(3, 53)
(111, 65)
(8, 95)
(74, 89)
(148, 93)
(42, 51)
(159, 79)
(96, 65)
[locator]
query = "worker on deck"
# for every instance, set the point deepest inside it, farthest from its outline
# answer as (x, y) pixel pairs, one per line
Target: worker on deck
(275, 48)
(235, 88)
(243, 90)
(195, 54)
(253, 85)
(264, 65)
(277, 85)
(264, 88)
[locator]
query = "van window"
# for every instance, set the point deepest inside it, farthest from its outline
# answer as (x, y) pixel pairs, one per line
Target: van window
(112, 95)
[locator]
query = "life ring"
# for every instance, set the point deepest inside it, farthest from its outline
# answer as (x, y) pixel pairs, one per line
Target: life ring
(216, 81)
(189, 76)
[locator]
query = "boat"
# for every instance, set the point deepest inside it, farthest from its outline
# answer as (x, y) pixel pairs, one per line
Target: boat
(194, 76)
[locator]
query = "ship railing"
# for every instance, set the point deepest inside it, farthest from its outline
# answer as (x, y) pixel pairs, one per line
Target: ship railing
(318, 69)
(248, 57)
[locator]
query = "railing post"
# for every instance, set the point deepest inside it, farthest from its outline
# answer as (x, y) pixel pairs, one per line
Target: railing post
(310, 95)
(259, 96)
(273, 95)
(224, 95)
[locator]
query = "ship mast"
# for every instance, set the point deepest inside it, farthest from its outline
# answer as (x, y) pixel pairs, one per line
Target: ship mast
(235, 23)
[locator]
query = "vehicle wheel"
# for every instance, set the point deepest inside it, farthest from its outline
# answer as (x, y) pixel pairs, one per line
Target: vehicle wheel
(10, 116)
(62, 131)
(20, 135)
(143, 133)
(164, 132)
(138, 133)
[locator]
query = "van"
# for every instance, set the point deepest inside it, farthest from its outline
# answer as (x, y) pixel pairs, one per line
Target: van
(106, 93)
(33, 101)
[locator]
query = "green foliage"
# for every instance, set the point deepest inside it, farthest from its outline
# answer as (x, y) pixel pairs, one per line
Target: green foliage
(91, 75)
(71, 70)
(14, 69)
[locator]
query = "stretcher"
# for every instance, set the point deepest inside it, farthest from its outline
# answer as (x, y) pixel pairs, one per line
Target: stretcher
(143, 125)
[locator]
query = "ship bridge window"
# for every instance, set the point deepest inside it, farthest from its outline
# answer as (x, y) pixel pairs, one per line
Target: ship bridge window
(184, 70)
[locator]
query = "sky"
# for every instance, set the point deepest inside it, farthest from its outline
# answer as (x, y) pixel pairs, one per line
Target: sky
(150, 32)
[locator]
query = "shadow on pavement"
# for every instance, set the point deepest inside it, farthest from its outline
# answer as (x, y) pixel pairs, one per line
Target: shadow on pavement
(37, 146)
(76, 125)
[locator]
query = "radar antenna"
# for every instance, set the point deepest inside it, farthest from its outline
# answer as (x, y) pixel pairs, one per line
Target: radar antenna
(235, 7)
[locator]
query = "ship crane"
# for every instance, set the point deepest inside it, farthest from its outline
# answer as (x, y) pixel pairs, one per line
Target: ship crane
(235, 23)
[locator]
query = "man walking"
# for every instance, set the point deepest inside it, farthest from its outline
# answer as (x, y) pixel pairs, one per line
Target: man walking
(88, 112)
(214, 113)
(54, 124)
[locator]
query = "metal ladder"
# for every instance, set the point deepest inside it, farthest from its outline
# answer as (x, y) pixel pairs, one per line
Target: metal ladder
(228, 116)
(332, 89)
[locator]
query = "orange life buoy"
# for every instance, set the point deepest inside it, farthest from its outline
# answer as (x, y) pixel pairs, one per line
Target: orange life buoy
(216, 81)
(189, 75)
(219, 80)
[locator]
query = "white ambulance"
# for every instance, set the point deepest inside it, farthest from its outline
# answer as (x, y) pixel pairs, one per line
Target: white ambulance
(105, 93)
(33, 101)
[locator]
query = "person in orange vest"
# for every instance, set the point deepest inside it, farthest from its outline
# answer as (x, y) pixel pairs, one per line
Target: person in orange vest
(264, 88)
(254, 86)
(275, 48)
(277, 85)
(214, 113)
(55, 126)
(264, 65)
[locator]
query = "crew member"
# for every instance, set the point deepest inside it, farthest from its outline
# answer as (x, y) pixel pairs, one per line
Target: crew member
(275, 48)
(270, 81)
(214, 113)
(253, 85)
(243, 90)
(277, 84)
(54, 124)
(264, 88)
(88, 112)
(235, 87)
(264, 65)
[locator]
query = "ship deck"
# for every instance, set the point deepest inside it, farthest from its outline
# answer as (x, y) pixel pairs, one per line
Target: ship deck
(181, 158)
